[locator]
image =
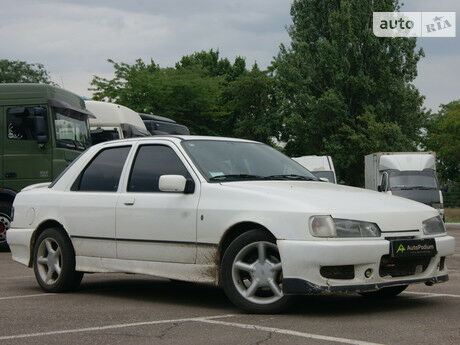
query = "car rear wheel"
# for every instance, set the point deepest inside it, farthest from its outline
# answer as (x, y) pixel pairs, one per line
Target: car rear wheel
(387, 292)
(251, 273)
(54, 262)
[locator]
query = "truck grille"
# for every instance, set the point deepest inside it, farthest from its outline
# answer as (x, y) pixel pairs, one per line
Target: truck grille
(400, 267)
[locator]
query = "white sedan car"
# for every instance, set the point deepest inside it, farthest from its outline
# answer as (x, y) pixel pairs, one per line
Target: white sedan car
(229, 212)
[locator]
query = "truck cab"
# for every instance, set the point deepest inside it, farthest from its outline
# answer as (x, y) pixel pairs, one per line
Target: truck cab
(410, 175)
(320, 166)
(158, 125)
(114, 121)
(44, 128)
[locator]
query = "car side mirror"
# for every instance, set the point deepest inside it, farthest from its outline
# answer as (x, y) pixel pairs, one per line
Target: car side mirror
(41, 129)
(324, 179)
(175, 183)
(42, 139)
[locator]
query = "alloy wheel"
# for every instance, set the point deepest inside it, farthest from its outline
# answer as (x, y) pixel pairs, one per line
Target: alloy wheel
(257, 274)
(49, 261)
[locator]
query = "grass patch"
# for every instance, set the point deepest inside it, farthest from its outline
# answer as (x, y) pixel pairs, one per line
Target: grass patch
(452, 215)
(452, 219)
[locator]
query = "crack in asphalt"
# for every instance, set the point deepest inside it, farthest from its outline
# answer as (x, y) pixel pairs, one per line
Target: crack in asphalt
(270, 335)
(166, 330)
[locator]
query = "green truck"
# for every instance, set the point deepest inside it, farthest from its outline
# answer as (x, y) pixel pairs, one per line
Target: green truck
(44, 128)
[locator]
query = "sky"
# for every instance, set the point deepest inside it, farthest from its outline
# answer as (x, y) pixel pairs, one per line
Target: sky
(74, 38)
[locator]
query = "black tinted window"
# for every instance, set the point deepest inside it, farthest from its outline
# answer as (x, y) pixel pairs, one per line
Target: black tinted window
(103, 173)
(21, 122)
(151, 162)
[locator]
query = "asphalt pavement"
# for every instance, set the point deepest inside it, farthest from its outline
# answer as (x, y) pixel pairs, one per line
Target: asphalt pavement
(135, 309)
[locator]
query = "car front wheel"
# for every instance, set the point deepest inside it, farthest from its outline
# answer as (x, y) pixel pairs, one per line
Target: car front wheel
(54, 262)
(251, 273)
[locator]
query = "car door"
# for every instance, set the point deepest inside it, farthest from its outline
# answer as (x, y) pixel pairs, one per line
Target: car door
(25, 162)
(89, 208)
(153, 225)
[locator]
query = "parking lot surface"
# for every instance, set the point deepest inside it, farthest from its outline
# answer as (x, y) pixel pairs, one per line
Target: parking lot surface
(136, 309)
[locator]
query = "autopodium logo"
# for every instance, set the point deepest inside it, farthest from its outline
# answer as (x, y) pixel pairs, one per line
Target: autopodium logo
(414, 24)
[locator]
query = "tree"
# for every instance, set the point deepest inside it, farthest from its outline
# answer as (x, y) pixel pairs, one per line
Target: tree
(251, 106)
(186, 95)
(443, 136)
(213, 65)
(208, 94)
(343, 91)
(15, 71)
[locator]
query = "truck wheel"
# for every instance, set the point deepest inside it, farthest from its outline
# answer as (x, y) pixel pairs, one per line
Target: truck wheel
(385, 292)
(54, 262)
(5, 220)
(251, 274)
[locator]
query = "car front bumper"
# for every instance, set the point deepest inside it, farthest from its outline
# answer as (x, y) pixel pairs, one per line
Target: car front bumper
(302, 262)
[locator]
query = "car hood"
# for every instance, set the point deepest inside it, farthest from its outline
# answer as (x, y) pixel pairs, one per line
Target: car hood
(391, 213)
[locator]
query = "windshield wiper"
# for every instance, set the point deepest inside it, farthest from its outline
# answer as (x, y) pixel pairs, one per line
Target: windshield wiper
(68, 142)
(236, 177)
(290, 177)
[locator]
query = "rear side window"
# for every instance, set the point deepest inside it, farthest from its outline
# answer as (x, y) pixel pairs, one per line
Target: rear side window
(151, 162)
(102, 174)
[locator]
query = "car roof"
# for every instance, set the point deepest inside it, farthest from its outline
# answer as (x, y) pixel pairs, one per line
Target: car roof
(174, 138)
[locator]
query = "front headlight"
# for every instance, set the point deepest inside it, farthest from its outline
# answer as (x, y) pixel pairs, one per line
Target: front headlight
(433, 226)
(355, 228)
(326, 226)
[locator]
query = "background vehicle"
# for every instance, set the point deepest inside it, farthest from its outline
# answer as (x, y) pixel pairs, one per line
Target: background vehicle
(43, 129)
(320, 166)
(158, 125)
(113, 121)
(410, 175)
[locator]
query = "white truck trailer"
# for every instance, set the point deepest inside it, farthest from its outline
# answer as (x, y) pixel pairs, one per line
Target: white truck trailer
(320, 166)
(409, 175)
(114, 121)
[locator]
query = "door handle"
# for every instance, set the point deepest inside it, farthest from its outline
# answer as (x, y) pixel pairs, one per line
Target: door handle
(129, 202)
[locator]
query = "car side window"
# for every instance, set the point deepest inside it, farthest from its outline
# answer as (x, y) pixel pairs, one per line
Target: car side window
(150, 163)
(102, 174)
(21, 122)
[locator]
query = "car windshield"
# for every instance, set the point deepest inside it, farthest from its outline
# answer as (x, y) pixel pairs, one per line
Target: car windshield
(72, 132)
(326, 174)
(413, 180)
(101, 135)
(220, 160)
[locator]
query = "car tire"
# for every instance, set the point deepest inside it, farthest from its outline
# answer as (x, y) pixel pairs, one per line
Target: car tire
(251, 278)
(54, 262)
(5, 219)
(387, 292)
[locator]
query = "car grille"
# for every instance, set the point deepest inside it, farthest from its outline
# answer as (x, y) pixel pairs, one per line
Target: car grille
(400, 267)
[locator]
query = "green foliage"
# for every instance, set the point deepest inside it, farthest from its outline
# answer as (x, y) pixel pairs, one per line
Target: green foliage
(186, 95)
(343, 91)
(443, 136)
(251, 107)
(213, 65)
(15, 71)
(208, 94)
